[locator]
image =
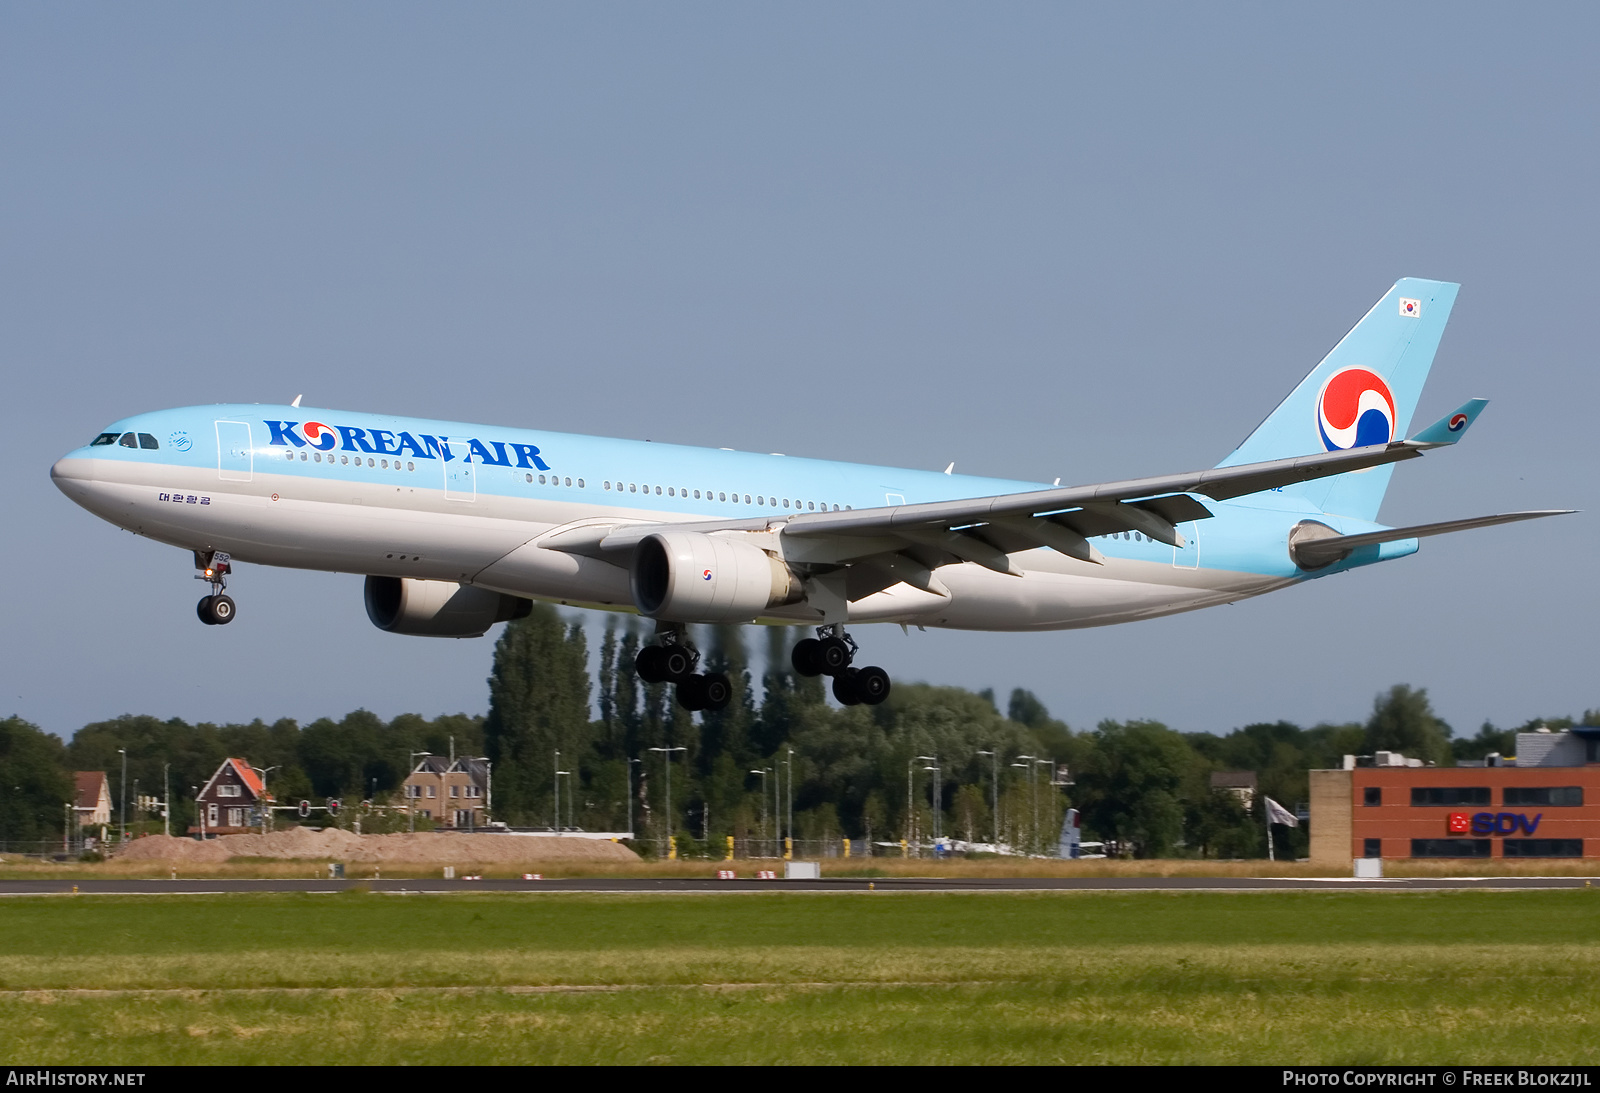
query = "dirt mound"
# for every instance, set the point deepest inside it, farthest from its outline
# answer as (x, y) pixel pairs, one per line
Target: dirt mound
(333, 844)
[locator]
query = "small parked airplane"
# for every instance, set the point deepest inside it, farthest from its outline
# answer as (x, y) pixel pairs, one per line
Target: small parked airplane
(458, 527)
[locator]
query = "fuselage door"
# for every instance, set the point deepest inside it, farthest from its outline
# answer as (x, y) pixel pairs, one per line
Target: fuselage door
(1188, 556)
(460, 478)
(234, 456)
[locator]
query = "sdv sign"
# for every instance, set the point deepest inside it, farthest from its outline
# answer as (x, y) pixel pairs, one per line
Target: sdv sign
(1493, 823)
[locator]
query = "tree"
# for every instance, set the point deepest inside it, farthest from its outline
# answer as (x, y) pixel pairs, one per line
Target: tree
(1403, 721)
(35, 784)
(538, 704)
(1133, 785)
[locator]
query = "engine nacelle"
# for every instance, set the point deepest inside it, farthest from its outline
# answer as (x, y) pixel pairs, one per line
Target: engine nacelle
(438, 609)
(684, 576)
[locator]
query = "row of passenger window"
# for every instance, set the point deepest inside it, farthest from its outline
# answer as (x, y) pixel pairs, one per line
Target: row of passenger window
(1453, 796)
(558, 480)
(316, 457)
(718, 495)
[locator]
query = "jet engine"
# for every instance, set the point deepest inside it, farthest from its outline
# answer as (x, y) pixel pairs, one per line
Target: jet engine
(438, 609)
(682, 576)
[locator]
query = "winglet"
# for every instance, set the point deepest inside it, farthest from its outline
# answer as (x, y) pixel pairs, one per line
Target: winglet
(1450, 428)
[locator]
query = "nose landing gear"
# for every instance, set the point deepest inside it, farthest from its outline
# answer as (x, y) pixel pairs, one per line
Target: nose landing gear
(674, 660)
(830, 654)
(214, 566)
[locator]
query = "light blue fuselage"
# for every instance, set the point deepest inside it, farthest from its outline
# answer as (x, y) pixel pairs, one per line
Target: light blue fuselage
(409, 497)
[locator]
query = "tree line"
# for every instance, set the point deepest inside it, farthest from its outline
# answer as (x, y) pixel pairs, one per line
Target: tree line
(779, 759)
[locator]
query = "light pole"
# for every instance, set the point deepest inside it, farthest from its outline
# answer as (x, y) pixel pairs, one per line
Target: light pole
(937, 794)
(763, 772)
(411, 815)
(632, 834)
(1033, 776)
(166, 799)
(488, 799)
(266, 810)
(559, 773)
(1028, 766)
(789, 763)
(666, 759)
(124, 753)
(994, 772)
(911, 807)
(558, 791)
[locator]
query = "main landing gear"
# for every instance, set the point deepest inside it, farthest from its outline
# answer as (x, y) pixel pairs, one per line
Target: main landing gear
(674, 661)
(214, 566)
(830, 654)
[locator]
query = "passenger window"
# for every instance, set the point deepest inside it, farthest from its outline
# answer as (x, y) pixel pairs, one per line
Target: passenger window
(580, 483)
(129, 440)
(569, 481)
(148, 442)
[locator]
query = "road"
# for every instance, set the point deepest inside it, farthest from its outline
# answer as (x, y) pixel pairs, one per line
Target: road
(680, 886)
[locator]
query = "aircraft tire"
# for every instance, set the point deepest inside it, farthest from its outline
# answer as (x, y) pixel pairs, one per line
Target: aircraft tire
(203, 609)
(222, 610)
(692, 693)
(806, 657)
(718, 691)
(844, 689)
(833, 656)
(648, 664)
(676, 663)
(871, 684)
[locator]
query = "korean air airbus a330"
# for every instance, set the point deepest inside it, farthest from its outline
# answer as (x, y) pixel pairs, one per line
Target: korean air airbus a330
(458, 527)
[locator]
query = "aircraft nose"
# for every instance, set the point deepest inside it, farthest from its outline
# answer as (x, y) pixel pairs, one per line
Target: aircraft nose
(71, 472)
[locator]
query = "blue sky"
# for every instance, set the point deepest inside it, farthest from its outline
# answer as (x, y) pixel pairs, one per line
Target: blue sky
(1038, 240)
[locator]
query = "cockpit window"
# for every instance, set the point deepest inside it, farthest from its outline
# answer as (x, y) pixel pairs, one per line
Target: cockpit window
(104, 438)
(129, 440)
(148, 442)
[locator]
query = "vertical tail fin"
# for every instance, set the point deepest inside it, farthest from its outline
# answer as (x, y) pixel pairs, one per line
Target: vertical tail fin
(1363, 392)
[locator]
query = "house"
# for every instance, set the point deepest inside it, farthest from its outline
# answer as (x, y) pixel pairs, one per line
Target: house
(1240, 783)
(92, 801)
(455, 791)
(230, 803)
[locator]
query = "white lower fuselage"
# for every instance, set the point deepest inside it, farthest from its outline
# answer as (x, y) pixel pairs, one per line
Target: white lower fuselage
(397, 525)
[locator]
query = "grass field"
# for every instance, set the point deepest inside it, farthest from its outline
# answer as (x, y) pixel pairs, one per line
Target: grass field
(1345, 977)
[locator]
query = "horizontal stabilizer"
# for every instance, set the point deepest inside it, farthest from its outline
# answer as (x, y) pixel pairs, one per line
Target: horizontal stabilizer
(1316, 553)
(1452, 427)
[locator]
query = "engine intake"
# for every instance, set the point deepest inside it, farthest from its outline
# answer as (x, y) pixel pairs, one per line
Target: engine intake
(438, 609)
(690, 577)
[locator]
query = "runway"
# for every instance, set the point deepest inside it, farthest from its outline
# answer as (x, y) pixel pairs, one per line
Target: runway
(692, 886)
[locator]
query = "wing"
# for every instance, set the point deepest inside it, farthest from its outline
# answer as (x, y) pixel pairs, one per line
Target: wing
(907, 542)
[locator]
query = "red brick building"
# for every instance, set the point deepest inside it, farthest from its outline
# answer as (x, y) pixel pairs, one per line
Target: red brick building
(1542, 804)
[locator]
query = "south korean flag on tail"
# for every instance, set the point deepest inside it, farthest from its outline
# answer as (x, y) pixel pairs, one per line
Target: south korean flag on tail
(1277, 814)
(1410, 308)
